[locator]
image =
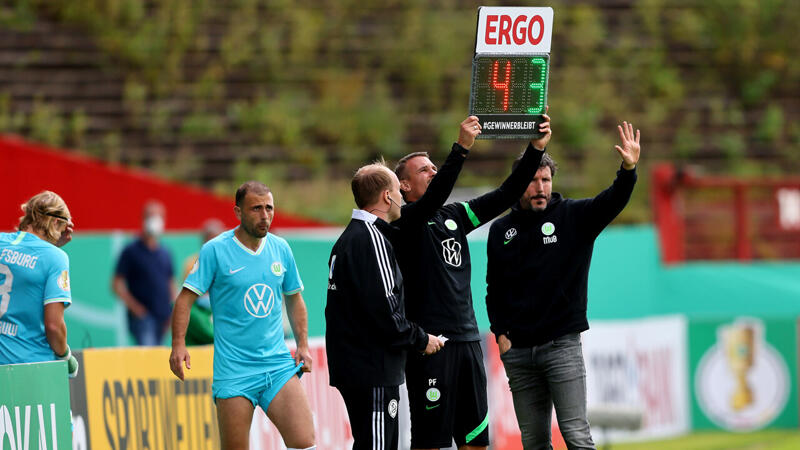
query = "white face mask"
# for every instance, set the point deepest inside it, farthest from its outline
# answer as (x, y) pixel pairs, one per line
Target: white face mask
(154, 225)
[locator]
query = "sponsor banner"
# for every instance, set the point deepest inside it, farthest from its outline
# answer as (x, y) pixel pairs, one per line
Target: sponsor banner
(639, 367)
(127, 398)
(743, 373)
(134, 401)
(34, 406)
(636, 365)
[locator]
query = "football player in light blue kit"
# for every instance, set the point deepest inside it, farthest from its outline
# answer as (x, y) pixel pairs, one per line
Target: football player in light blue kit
(34, 285)
(247, 272)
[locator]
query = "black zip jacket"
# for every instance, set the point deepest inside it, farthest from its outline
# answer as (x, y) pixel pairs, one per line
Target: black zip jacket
(367, 333)
(432, 250)
(538, 264)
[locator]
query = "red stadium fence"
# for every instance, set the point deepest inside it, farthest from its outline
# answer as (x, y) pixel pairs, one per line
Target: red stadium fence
(725, 218)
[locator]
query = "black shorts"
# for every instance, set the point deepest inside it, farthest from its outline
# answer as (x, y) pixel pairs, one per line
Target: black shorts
(447, 397)
(373, 416)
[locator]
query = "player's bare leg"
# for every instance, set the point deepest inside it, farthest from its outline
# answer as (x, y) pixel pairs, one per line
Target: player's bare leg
(234, 416)
(290, 413)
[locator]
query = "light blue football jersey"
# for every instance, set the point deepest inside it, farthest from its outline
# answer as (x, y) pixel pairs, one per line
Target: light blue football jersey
(33, 273)
(246, 290)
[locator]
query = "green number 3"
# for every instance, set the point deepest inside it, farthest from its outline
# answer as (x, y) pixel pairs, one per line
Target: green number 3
(539, 86)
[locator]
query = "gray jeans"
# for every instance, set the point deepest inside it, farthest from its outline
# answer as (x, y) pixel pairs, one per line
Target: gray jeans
(551, 374)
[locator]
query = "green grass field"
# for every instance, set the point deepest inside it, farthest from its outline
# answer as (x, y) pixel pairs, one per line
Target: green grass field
(762, 440)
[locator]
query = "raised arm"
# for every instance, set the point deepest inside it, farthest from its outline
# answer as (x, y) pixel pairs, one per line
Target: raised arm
(442, 184)
(492, 204)
(604, 207)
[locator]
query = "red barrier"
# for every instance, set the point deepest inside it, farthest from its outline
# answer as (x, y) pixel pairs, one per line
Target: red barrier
(105, 196)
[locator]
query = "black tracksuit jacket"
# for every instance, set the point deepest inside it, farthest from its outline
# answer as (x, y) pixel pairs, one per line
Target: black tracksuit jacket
(538, 264)
(431, 246)
(367, 333)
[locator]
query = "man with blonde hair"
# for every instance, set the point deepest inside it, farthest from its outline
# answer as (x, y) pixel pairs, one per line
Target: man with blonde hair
(367, 334)
(34, 284)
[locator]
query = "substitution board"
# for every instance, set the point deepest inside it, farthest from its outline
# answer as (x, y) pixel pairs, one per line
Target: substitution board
(510, 70)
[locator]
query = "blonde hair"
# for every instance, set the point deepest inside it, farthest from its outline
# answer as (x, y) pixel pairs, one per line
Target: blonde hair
(45, 213)
(369, 181)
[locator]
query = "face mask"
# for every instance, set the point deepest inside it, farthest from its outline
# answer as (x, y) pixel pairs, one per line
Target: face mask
(154, 225)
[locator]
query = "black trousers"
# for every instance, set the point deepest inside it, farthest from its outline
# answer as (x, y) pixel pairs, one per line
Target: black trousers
(373, 416)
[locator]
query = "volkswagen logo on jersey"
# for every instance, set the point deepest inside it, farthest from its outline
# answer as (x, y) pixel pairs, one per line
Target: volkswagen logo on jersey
(511, 233)
(451, 251)
(259, 300)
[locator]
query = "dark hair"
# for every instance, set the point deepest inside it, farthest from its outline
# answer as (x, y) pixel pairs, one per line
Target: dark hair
(400, 168)
(547, 161)
(369, 181)
(255, 187)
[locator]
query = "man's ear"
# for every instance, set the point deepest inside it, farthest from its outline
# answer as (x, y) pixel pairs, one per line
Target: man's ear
(405, 186)
(238, 212)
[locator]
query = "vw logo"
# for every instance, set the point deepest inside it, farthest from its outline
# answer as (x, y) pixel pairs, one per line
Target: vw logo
(511, 233)
(259, 300)
(451, 251)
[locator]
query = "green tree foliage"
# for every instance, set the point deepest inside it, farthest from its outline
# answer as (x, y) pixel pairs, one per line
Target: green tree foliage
(302, 92)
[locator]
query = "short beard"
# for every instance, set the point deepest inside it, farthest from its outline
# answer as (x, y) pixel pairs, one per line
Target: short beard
(254, 232)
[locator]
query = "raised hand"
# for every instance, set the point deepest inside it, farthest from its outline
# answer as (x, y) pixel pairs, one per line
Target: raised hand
(540, 143)
(629, 151)
(470, 129)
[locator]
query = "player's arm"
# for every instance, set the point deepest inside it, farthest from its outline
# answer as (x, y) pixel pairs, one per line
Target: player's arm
(120, 288)
(379, 302)
(492, 204)
(442, 184)
(180, 322)
(298, 319)
(54, 327)
(603, 208)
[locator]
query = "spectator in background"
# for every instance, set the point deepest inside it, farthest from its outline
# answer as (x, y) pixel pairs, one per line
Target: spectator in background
(201, 322)
(143, 279)
(537, 275)
(34, 285)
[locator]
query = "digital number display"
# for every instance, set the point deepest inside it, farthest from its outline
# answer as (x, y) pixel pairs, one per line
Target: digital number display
(509, 84)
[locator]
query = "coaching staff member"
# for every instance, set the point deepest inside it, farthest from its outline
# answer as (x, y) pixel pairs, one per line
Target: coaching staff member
(447, 392)
(537, 273)
(367, 333)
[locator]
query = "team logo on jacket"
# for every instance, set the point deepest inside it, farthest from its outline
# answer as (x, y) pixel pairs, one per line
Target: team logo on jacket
(259, 300)
(510, 235)
(450, 224)
(547, 230)
(451, 251)
(277, 268)
(392, 408)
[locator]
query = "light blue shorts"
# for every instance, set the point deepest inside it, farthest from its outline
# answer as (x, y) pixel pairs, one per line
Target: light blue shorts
(259, 388)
